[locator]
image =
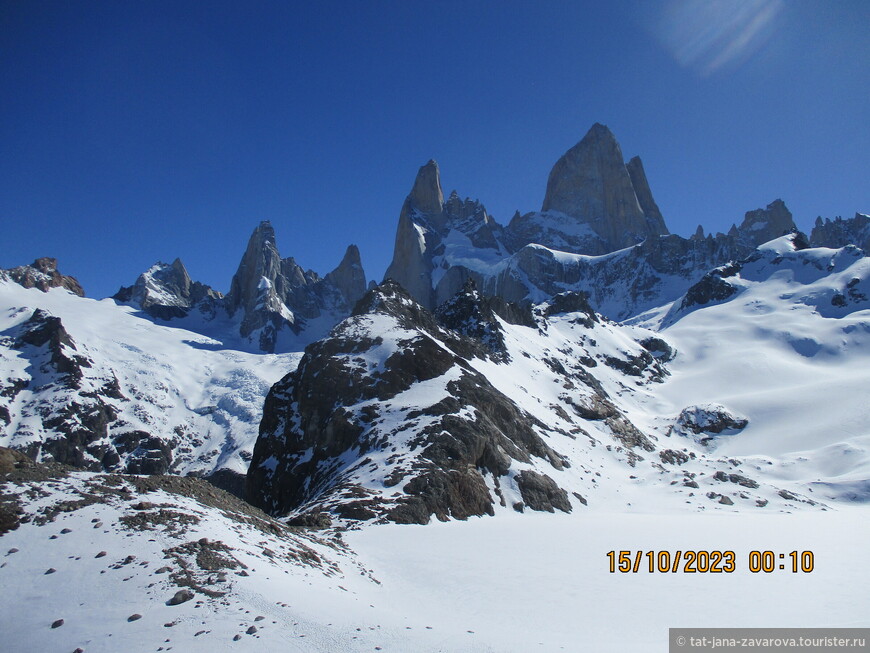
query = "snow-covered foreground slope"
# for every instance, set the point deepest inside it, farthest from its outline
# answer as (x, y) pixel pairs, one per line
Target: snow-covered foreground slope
(153, 397)
(518, 583)
(789, 349)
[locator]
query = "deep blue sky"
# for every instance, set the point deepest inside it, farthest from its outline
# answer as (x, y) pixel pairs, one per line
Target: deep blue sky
(138, 131)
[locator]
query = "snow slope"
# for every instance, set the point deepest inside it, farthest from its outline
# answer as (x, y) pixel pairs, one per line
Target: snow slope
(519, 583)
(790, 350)
(189, 390)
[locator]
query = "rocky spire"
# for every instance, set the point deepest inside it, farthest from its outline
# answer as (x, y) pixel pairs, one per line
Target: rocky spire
(592, 184)
(644, 196)
(411, 266)
(349, 277)
(426, 195)
(260, 261)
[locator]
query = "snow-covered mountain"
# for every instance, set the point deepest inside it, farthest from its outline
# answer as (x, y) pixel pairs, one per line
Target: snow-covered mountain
(272, 305)
(467, 412)
(580, 379)
(599, 232)
(96, 385)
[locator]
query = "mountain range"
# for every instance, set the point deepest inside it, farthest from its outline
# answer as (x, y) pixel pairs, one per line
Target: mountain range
(526, 366)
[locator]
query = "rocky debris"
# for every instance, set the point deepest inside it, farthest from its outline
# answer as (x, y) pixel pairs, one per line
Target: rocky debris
(314, 520)
(42, 274)
(671, 457)
(735, 478)
(166, 291)
(838, 232)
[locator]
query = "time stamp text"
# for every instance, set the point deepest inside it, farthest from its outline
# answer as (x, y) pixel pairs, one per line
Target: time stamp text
(708, 562)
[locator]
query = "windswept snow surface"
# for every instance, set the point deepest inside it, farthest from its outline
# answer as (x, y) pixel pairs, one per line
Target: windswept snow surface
(176, 384)
(792, 358)
(519, 583)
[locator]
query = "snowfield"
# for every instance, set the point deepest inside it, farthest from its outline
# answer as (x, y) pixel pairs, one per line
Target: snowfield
(176, 384)
(516, 583)
(765, 403)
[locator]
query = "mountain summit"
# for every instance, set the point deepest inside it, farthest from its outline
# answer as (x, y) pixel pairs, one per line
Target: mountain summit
(591, 184)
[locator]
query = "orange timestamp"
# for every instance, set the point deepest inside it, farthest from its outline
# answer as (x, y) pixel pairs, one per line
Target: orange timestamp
(708, 562)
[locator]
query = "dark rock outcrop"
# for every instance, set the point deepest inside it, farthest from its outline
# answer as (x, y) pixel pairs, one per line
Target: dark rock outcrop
(761, 225)
(708, 421)
(326, 424)
(540, 492)
(838, 232)
(42, 274)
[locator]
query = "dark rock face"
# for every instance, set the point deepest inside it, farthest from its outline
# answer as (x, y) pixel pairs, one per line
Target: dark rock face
(540, 492)
(80, 415)
(42, 274)
(339, 406)
(77, 406)
(762, 225)
(838, 232)
(711, 288)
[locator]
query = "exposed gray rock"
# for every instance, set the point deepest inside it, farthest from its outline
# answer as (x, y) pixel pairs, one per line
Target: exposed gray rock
(592, 184)
(421, 257)
(274, 294)
(704, 422)
(540, 492)
(181, 596)
(165, 291)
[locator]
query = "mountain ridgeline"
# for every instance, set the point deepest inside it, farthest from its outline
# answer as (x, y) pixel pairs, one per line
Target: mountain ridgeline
(496, 367)
(599, 231)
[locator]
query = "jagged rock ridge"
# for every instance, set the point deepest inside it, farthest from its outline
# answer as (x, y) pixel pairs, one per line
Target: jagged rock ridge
(268, 295)
(599, 231)
(42, 274)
